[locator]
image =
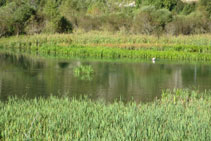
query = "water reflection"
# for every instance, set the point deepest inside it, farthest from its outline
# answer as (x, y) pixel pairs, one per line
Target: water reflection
(63, 65)
(0, 84)
(33, 77)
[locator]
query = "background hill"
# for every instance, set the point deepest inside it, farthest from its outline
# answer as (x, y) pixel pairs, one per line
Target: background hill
(126, 16)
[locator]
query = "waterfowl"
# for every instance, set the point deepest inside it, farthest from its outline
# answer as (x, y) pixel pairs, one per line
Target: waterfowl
(153, 59)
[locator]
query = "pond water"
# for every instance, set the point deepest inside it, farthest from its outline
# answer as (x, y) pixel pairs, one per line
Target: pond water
(30, 77)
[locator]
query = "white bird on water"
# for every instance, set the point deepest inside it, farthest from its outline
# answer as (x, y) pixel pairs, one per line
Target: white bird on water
(153, 60)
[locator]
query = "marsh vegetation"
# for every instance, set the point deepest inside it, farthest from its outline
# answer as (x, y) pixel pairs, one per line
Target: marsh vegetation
(84, 72)
(178, 115)
(106, 45)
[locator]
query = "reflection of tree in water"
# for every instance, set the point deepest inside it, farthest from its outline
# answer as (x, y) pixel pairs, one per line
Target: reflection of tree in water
(128, 80)
(125, 80)
(20, 75)
(84, 72)
(23, 62)
(63, 65)
(197, 75)
(0, 84)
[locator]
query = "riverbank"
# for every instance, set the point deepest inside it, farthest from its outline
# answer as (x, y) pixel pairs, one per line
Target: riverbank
(114, 46)
(179, 115)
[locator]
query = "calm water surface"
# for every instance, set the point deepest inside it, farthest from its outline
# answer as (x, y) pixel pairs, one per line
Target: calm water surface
(26, 76)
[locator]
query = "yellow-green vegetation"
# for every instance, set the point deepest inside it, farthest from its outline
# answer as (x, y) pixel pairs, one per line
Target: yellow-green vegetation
(107, 45)
(107, 39)
(179, 115)
(84, 72)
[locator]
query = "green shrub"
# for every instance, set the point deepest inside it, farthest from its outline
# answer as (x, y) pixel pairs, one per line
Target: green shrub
(195, 23)
(148, 17)
(6, 21)
(143, 21)
(150, 20)
(179, 7)
(55, 22)
(114, 22)
(159, 4)
(188, 8)
(17, 16)
(2, 2)
(161, 18)
(89, 23)
(35, 24)
(64, 26)
(207, 5)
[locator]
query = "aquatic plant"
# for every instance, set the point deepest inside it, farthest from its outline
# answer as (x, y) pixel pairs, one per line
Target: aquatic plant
(84, 72)
(107, 39)
(179, 115)
(112, 46)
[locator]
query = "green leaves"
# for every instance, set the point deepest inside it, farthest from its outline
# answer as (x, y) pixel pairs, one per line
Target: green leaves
(51, 9)
(61, 16)
(17, 15)
(84, 72)
(99, 45)
(182, 114)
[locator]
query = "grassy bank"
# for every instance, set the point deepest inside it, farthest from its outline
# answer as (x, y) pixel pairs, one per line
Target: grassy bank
(179, 115)
(107, 45)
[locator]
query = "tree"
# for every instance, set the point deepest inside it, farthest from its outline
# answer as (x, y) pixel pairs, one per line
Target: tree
(16, 17)
(2, 2)
(207, 5)
(55, 22)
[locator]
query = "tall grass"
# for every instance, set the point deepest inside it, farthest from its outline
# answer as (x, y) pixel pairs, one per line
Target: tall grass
(112, 53)
(100, 38)
(179, 115)
(106, 45)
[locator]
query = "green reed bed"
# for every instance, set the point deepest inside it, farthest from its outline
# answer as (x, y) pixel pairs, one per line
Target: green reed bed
(27, 41)
(118, 38)
(179, 115)
(107, 45)
(113, 52)
(100, 38)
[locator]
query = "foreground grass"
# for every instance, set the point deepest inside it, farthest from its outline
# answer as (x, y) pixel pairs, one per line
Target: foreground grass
(106, 45)
(179, 115)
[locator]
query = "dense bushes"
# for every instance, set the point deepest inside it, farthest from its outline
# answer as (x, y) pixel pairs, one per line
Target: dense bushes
(146, 17)
(195, 23)
(207, 5)
(149, 20)
(13, 17)
(27, 17)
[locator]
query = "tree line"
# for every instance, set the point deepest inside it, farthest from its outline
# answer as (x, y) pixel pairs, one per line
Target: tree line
(145, 17)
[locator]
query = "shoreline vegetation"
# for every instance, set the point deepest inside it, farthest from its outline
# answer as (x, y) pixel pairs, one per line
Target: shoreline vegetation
(112, 46)
(180, 114)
